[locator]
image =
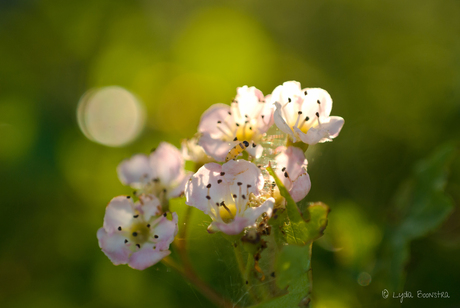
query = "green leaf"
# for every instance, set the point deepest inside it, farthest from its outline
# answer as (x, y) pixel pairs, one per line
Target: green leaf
(301, 228)
(423, 205)
(291, 268)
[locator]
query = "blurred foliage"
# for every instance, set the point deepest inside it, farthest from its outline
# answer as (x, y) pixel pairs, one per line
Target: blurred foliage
(392, 68)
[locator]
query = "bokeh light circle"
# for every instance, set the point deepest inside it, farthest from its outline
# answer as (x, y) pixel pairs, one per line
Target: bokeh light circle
(111, 116)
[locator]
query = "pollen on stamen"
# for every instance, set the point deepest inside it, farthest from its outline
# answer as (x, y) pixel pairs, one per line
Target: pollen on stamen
(243, 196)
(222, 173)
(237, 124)
(250, 128)
(305, 92)
(299, 112)
(208, 186)
(218, 122)
(126, 241)
(236, 139)
(306, 119)
(148, 225)
(284, 169)
(253, 145)
(249, 185)
(289, 100)
(119, 228)
(319, 103)
(164, 215)
(128, 197)
(239, 183)
(134, 233)
(138, 246)
(155, 236)
(229, 113)
(135, 216)
(317, 114)
(234, 196)
(208, 197)
(219, 181)
(286, 174)
(262, 116)
(246, 116)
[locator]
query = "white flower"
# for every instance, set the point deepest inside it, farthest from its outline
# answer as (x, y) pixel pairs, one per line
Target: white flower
(136, 234)
(291, 169)
(304, 114)
(161, 174)
(223, 192)
(247, 119)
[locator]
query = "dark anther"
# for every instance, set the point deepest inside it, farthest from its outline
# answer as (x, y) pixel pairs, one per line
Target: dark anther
(128, 197)
(236, 138)
(289, 99)
(222, 173)
(229, 113)
(155, 236)
(126, 241)
(222, 203)
(119, 228)
(284, 169)
(246, 116)
(286, 175)
(208, 197)
(164, 215)
(148, 225)
(138, 246)
(219, 181)
(218, 122)
(299, 112)
(263, 116)
(249, 185)
(253, 145)
(243, 196)
(234, 196)
(307, 118)
(317, 114)
(237, 124)
(135, 216)
(208, 186)
(318, 102)
(217, 203)
(134, 233)
(250, 128)
(305, 92)
(239, 183)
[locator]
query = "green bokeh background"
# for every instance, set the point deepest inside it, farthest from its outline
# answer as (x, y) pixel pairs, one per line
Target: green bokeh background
(391, 67)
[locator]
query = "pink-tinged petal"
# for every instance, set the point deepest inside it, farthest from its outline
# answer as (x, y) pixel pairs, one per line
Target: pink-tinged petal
(135, 172)
(208, 122)
(179, 188)
(146, 257)
(250, 102)
(216, 148)
(167, 163)
(301, 187)
(281, 122)
(255, 151)
(328, 130)
(149, 207)
(293, 159)
(113, 246)
(253, 213)
(318, 94)
(232, 228)
(196, 190)
(119, 213)
(244, 172)
(165, 232)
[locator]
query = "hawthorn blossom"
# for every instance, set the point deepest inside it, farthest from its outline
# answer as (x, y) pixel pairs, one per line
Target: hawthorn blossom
(137, 234)
(304, 113)
(192, 151)
(161, 173)
(247, 119)
(291, 169)
(224, 192)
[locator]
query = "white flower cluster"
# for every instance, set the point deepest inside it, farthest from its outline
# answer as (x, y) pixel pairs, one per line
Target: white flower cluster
(231, 191)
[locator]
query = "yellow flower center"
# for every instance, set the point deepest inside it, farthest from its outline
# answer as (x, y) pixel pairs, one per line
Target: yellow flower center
(140, 233)
(227, 212)
(245, 132)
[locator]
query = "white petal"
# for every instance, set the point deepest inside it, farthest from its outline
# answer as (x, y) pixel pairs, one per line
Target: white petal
(281, 122)
(196, 190)
(315, 94)
(119, 213)
(250, 102)
(300, 187)
(232, 228)
(113, 246)
(166, 230)
(167, 163)
(247, 173)
(326, 132)
(146, 257)
(209, 119)
(151, 206)
(252, 213)
(255, 151)
(293, 159)
(179, 187)
(135, 172)
(216, 148)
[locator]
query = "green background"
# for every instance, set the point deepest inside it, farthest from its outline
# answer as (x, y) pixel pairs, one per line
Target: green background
(391, 67)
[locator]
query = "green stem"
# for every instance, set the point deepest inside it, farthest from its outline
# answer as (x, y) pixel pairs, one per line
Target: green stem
(245, 273)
